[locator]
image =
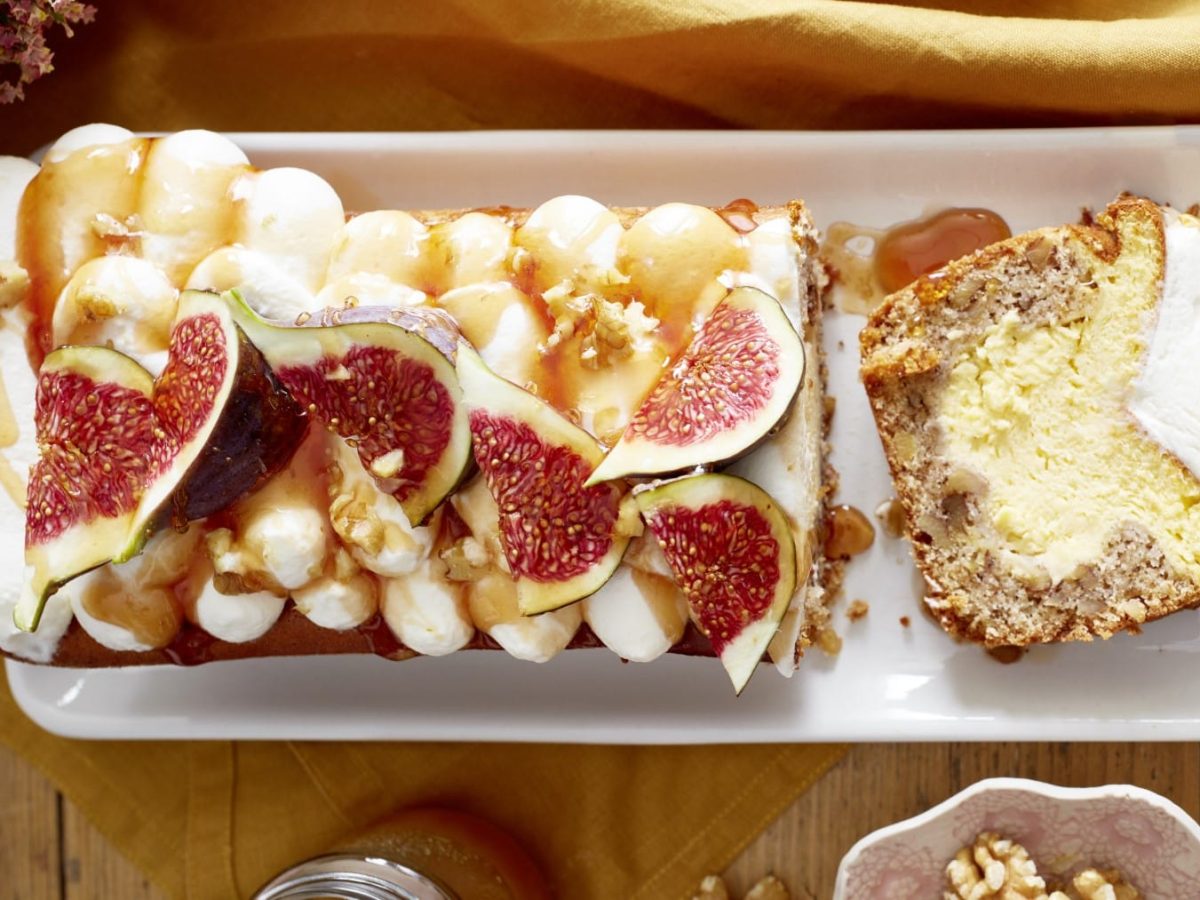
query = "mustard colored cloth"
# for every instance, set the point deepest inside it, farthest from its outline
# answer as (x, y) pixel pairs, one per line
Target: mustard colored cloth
(266, 65)
(214, 819)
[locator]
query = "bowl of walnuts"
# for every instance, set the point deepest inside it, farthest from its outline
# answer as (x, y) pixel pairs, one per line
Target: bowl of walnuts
(1010, 839)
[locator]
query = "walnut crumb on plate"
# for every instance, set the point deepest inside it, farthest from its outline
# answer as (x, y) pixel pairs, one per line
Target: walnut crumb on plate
(768, 888)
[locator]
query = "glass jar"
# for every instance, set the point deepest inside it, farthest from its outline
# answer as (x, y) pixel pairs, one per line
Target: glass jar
(417, 854)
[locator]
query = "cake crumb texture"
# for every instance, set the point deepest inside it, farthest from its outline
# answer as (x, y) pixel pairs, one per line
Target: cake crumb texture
(1037, 507)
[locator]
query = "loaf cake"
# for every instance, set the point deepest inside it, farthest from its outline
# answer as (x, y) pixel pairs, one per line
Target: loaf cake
(581, 307)
(1036, 402)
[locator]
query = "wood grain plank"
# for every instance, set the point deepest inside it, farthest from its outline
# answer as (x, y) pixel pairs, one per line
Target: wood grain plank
(29, 832)
(874, 785)
(93, 869)
(877, 784)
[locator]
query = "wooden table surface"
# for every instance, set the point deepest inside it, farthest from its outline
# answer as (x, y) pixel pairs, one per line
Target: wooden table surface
(47, 849)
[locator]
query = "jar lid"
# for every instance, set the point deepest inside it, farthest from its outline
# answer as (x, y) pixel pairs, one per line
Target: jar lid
(345, 877)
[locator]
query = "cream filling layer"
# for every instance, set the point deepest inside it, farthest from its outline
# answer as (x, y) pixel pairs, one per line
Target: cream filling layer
(1078, 429)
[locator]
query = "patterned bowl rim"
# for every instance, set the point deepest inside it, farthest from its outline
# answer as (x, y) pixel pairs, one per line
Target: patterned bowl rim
(1039, 788)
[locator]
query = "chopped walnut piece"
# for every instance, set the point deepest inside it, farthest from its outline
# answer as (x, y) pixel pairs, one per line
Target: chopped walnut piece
(609, 330)
(466, 560)
(770, 888)
(857, 609)
(829, 641)
(711, 888)
(118, 234)
(995, 867)
(14, 283)
(1093, 884)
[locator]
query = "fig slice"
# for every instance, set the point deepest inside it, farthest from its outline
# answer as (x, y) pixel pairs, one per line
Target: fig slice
(733, 385)
(562, 541)
(383, 380)
(733, 556)
(122, 454)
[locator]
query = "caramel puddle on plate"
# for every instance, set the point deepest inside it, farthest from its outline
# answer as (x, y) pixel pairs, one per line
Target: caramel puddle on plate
(870, 263)
(848, 532)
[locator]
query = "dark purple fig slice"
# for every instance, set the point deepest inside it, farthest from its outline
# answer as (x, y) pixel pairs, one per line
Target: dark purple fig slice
(122, 454)
(733, 385)
(561, 539)
(227, 422)
(382, 380)
(733, 556)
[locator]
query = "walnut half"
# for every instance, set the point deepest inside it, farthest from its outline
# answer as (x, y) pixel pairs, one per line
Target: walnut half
(999, 868)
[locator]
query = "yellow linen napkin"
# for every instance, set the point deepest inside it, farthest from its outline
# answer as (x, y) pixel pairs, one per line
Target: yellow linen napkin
(302, 65)
(215, 819)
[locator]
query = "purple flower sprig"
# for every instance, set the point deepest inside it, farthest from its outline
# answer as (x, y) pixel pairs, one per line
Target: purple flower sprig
(23, 27)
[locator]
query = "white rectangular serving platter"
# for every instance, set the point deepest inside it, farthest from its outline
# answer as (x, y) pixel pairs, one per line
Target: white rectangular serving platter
(889, 682)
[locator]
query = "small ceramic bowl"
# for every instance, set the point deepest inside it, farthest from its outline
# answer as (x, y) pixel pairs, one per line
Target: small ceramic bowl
(1154, 843)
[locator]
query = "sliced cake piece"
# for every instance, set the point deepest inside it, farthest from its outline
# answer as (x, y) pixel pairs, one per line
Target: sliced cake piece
(1038, 405)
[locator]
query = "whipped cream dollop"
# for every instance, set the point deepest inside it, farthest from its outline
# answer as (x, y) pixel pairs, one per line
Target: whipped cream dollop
(17, 396)
(425, 612)
(286, 223)
(337, 602)
(283, 544)
(107, 634)
(96, 134)
(634, 624)
(538, 638)
(1163, 396)
(236, 618)
(122, 302)
(132, 606)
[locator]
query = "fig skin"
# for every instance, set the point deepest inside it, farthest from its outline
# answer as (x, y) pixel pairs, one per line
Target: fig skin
(721, 591)
(434, 325)
(256, 436)
(431, 329)
(258, 428)
(496, 402)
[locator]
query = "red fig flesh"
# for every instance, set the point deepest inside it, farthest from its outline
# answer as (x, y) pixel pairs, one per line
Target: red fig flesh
(733, 556)
(122, 454)
(733, 385)
(560, 539)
